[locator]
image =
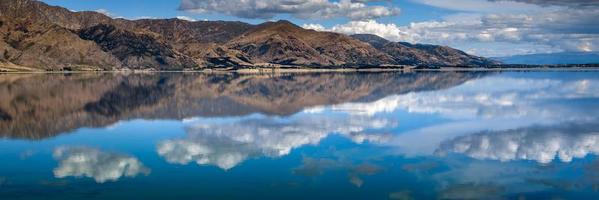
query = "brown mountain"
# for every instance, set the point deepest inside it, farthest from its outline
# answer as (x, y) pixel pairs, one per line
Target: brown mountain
(36, 36)
(285, 43)
(404, 53)
(136, 49)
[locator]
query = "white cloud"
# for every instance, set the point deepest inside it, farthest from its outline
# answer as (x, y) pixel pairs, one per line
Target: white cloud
(481, 5)
(559, 27)
(388, 31)
(96, 164)
(485, 27)
(568, 3)
(307, 9)
(186, 18)
(144, 17)
(316, 27)
(228, 142)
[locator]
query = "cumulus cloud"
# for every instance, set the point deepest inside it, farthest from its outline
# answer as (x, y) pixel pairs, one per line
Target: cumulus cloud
(228, 143)
(307, 9)
(560, 26)
(388, 31)
(92, 163)
(481, 27)
(548, 32)
(541, 144)
(186, 18)
(484, 27)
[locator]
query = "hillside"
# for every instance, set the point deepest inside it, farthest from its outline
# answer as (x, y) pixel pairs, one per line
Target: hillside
(553, 58)
(404, 53)
(36, 36)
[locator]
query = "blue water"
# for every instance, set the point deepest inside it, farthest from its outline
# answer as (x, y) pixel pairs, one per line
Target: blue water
(438, 135)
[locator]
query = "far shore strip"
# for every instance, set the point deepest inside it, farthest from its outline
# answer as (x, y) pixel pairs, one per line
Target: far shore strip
(317, 70)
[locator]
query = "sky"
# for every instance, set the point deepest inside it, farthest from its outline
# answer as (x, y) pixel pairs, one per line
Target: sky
(491, 28)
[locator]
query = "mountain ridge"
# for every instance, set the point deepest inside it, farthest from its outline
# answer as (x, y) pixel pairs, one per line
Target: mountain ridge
(562, 58)
(422, 54)
(37, 36)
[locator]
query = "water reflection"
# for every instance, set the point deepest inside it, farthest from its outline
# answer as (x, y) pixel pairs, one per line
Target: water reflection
(539, 143)
(41, 106)
(315, 136)
(96, 164)
(313, 167)
(487, 105)
(226, 142)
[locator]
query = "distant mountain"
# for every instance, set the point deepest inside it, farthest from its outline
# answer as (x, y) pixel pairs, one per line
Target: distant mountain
(36, 36)
(553, 58)
(423, 54)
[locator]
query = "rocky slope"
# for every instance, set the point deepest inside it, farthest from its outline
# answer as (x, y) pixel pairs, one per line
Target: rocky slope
(404, 53)
(287, 44)
(36, 36)
(136, 49)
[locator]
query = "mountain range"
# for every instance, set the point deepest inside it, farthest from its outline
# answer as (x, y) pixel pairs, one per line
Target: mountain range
(562, 58)
(37, 36)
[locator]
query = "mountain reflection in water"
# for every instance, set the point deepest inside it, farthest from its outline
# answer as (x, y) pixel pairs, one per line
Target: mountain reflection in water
(438, 135)
(40, 106)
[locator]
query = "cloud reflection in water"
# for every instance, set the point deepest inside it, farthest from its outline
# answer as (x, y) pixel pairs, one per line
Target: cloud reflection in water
(541, 144)
(489, 104)
(93, 163)
(492, 104)
(228, 142)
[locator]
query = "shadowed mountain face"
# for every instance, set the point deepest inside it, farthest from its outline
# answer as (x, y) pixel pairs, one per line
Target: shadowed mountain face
(40, 106)
(36, 36)
(133, 49)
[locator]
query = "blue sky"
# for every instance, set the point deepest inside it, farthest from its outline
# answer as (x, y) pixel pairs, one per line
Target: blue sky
(133, 9)
(481, 27)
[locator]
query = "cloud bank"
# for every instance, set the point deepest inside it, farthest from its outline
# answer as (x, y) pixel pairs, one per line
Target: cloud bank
(495, 28)
(305, 9)
(568, 3)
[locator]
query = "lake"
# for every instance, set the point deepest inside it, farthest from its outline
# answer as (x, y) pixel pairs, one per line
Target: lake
(421, 135)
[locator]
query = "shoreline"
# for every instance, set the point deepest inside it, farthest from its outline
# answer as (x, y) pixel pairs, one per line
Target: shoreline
(323, 70)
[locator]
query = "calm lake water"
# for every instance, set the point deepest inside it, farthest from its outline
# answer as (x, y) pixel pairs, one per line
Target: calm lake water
(438, 135)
